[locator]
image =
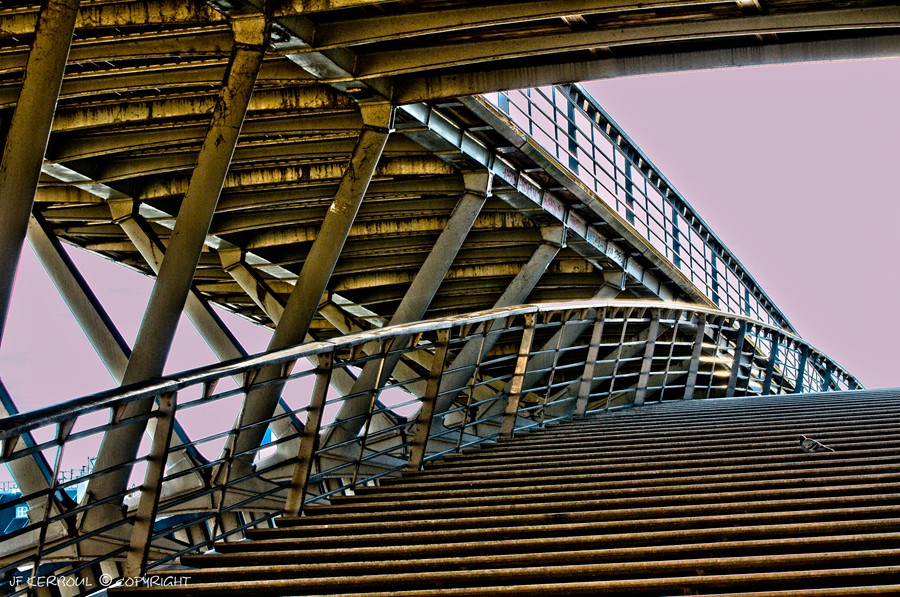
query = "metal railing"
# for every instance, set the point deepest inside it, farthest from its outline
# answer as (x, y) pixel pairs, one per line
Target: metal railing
(569, 125)
(534, 364)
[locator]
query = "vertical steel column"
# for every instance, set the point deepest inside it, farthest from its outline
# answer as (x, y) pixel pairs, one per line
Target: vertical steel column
(590, 363)
(647, 362)
(516, 293)
(515, 390)
(629, 190)
(770, 366)
(318, 267)
(310, 440)
(423, 421)
(142, 533)
(28, 134)
(694, 368)
(176, 274)
(421, 292)
(615, 370)
(738, 357)
(676, 239)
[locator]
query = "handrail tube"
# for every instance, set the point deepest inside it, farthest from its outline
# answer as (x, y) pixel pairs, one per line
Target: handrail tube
(386, 450)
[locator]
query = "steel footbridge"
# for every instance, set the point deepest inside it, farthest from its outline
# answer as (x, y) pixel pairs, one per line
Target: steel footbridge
(457, 249)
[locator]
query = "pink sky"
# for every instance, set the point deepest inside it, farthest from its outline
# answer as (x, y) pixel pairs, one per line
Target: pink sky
(794, 167)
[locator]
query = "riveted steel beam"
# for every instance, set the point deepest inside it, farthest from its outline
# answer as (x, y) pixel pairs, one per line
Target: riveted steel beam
(86, 144)
(176, 273)
(196, 107)
(26, 139)
(293, 175)
(130, 14)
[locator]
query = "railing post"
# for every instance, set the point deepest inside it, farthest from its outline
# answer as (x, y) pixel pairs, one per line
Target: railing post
(647, 362)
(801, 369)
(736, 363)
(590, 363)
(142, 534)
(426, 413)
(515, 389)
(63, 430)
(827, 378)
(473, 381)
(770, 366)
(385, 349)
(310, 439)
(694, 368)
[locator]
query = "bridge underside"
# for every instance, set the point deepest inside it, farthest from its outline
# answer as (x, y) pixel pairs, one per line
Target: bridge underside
(321, 168)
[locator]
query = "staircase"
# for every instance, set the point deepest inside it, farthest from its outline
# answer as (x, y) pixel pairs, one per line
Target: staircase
(706, 497)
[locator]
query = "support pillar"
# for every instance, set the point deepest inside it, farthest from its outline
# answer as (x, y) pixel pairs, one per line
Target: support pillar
(317, 269)
(801, 369)
(463, 366)
(515, 393)
(420, 293)
(770, 365)
(565, 338)
(590, 364)
(647, 362)
(738, 358)
(173, 284)
(99, 329)
(29, 131)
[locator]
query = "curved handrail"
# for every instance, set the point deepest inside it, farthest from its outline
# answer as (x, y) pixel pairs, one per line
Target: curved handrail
(465, 380)
(18, 424)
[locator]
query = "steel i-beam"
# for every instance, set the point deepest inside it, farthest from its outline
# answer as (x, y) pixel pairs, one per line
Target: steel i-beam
(29, 131)
(176, 274)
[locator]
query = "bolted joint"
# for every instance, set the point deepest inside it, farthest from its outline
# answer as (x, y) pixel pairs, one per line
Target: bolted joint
(554, 235)
(251, 30)
(378, 116)
(616, 279)
(230, 258)
(122, 210)
(479, 183)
